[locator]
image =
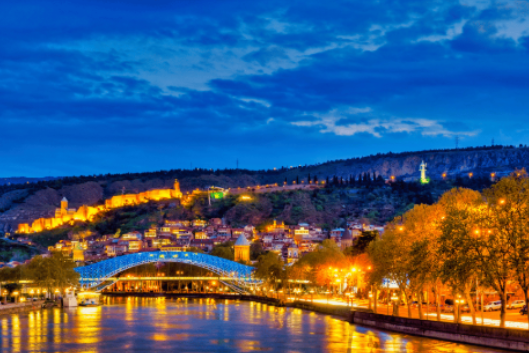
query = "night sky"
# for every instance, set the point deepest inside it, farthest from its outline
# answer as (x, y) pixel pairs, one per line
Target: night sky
(118, 86)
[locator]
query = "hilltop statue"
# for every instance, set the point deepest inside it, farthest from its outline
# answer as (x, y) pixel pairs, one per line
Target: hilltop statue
(422, 168)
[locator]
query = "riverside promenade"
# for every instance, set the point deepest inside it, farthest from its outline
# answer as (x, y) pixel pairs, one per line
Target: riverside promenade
(495, 337)
(10, 308)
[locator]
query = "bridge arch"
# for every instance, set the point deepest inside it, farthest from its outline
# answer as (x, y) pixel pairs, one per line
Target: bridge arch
(97, 273)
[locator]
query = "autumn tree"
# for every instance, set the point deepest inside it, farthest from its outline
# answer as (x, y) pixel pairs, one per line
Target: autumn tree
(508, 201)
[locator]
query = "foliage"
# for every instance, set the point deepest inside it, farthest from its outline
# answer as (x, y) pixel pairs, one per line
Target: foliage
(270, 268)
(224, 250)
(52, 272)
(360, 245)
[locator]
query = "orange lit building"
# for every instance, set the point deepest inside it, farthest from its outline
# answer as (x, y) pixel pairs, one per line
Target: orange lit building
(64, 215)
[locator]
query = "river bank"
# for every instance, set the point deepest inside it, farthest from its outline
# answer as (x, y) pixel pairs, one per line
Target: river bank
(511, 339)
(20, 307)
(495, 337)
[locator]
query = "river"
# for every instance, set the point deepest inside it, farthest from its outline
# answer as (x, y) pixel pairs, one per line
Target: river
(200, 325)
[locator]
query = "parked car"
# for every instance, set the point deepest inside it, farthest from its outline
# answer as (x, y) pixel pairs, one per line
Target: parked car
(524, 310)
(516, 304)
(447, 308)
(495, 305)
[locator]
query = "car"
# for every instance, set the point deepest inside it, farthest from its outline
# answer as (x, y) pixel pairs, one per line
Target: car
(524, 310)
(495, 305)
(447, 308)
(516, 304)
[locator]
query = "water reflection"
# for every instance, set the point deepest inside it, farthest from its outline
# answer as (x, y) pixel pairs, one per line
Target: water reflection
(206, 325)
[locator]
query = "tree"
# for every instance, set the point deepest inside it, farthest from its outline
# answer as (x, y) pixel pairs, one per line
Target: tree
(256, 250)
(270, 268)
(52, 272)
(320, 264)
(508, 200)
(360, 245)
(421, 229)
(472, 234)
(224, 250)
(389, 256)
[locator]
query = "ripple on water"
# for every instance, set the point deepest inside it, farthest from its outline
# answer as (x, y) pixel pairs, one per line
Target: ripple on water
(187, 325)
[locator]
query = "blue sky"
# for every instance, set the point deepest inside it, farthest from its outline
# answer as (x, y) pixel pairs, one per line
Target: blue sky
(118, 86)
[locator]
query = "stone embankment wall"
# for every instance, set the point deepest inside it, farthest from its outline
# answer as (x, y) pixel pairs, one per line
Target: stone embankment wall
(504, 338)
(496, 337)
(20, 307)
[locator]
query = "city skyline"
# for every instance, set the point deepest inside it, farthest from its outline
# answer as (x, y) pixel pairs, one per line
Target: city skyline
(132, 87)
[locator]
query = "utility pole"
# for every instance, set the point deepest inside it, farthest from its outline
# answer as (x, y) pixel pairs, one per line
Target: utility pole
(237, 163)
(457, 142)
(492, 142)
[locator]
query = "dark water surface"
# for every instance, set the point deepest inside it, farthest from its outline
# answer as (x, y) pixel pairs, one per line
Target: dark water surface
(200, 325)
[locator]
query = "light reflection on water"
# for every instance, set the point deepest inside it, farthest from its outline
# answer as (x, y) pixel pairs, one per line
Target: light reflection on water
(200, 325)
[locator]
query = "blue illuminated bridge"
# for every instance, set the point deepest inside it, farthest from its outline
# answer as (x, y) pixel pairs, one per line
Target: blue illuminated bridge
(97, 275)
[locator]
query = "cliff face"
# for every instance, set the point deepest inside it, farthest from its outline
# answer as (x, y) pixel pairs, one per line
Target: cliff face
(21, 206)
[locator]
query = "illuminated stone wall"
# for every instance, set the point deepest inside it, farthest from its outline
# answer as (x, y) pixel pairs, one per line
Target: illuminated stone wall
(63, 215)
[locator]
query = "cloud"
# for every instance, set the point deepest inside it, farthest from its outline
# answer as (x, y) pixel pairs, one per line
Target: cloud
(266, 55)
(330, 123)
(113, 81)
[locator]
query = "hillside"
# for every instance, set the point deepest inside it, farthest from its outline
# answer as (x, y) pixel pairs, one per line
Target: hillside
(366, 202)
(22, 203)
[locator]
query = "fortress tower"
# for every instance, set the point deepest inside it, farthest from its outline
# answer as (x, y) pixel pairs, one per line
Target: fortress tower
(242, 249)
(63, 211)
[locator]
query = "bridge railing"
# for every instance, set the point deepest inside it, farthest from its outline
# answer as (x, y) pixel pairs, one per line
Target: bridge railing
(92, 275)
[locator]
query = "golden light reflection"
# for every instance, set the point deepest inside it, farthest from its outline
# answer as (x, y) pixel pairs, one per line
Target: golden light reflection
(174, 321)
(89, 324)
(15, 333)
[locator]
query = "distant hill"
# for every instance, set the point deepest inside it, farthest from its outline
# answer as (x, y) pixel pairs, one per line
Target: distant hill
(24, 202)
(24, 180)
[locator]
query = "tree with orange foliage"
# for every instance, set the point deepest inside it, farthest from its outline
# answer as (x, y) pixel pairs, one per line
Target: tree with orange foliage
(508, 201)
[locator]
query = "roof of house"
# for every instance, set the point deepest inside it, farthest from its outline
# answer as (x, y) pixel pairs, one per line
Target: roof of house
(242, 241)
